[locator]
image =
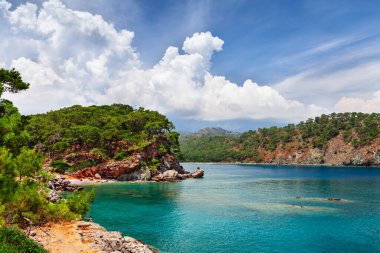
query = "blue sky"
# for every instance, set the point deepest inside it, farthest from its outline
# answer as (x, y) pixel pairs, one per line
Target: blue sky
(322, 54)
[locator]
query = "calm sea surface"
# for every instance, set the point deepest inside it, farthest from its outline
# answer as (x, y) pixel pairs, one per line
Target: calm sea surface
(249, 208)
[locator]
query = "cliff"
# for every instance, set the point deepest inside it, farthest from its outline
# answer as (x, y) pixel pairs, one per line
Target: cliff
(337, 152)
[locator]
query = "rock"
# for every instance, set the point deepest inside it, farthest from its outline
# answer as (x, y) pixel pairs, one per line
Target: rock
(147, 175)
(357, 160)
(115, 242)
(169, 162)
(97, 176)
(84, 225)
(199, 173)
(59, 184)
(170, 174)
(159, 177)
(334, 199)
(111, 169)
(53, 196)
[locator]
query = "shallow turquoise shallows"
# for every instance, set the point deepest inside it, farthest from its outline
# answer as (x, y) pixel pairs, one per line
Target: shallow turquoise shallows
(249, 208)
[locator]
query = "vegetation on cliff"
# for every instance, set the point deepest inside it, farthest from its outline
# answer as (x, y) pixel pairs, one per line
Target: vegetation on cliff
(356, 131)
(78, 137)
(23, 184)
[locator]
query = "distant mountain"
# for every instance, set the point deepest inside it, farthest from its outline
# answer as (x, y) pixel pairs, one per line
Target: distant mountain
(335, 139)
(213, 131)
(207, 131)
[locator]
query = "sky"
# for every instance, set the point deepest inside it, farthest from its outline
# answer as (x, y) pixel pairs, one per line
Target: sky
(235, 64)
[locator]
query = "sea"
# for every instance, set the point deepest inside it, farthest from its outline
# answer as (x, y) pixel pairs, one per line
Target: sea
(249, 208)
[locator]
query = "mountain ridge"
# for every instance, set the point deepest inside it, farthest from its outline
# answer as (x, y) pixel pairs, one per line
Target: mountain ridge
(335, 139)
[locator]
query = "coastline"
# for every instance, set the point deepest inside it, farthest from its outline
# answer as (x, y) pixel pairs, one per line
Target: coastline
(289, 164)
(85, 237)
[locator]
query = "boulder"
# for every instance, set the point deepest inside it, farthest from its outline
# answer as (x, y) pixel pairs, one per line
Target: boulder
(147, 175)
(199, 173)
(170, 174)
(53, 197)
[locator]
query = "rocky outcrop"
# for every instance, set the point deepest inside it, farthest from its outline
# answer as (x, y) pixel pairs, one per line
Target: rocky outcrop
(337, 152)
(111, 241)
(112, 169)
(199, 173)
(174, 176)
(131, 169)
(61, 184)
(80, 237)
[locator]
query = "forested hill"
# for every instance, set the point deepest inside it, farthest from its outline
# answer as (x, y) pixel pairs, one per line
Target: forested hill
(338, 138)
(78, 137)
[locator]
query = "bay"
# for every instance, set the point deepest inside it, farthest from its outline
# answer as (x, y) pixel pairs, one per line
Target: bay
(249, 208)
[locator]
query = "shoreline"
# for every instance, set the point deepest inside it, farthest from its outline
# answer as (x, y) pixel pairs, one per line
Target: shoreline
(85, 237)
(276, 164)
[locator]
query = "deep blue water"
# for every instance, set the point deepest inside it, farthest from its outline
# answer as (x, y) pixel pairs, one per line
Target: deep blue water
(249, 208)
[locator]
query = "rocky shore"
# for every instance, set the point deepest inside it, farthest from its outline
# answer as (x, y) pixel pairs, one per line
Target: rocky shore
(85, 237)
(130, 169)
(89, 237)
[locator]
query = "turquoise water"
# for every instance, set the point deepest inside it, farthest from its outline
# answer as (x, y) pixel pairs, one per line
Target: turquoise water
(249, 208)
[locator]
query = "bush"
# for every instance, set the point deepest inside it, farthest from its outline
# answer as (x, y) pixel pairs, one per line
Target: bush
(84, 164)
(79, 201)
(120, 156)
(60, 166)
(99, 155)
(12, 240)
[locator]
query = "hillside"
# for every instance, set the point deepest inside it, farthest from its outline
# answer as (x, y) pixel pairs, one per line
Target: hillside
(335, 139)
(113, 142)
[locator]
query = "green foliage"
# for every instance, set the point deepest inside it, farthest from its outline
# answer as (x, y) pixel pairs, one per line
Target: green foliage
(120, 156)
(99, 155)
(11, 81)
(79, 201)
(209, 148)
(28, 162)
(155, 164)
(356, 128)
(23, 184)
(99, 129)
(83, 164)
(13, 240)
(60, 166)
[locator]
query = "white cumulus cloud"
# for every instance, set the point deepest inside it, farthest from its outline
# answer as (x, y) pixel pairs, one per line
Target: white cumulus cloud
(352, 104)
(74, 57)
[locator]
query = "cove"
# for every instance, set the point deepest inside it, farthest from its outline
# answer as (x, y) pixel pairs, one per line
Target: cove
(249, 208)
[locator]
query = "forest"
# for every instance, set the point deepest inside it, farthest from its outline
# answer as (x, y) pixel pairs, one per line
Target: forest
(357, 129)
(103, 132)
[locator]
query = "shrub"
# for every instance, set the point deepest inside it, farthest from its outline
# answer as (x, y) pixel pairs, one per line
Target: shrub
(99, 155)
(84, 164)
(120, 156)
(13, 240)
(79, 201)
(60, 166)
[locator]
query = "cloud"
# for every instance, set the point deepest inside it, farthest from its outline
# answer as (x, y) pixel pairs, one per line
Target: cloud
(350, 69)
(352, 104)
(74, 57)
